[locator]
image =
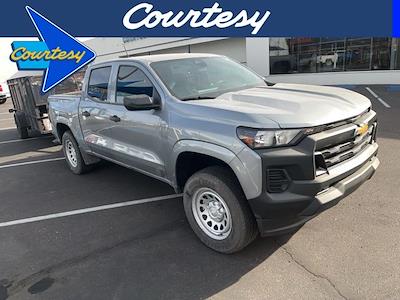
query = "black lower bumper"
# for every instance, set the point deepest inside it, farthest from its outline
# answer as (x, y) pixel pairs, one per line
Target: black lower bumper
(281, 213)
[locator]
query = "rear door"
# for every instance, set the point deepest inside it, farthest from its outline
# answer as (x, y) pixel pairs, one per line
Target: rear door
(94, 111)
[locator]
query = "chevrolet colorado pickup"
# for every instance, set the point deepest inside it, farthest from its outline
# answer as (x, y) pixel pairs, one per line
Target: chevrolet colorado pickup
(250, 157)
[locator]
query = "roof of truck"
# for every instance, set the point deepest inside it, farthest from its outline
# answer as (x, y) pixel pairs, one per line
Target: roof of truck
(161, 57)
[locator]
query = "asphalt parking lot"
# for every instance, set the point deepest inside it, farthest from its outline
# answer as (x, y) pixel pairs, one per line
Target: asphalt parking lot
(148, 251)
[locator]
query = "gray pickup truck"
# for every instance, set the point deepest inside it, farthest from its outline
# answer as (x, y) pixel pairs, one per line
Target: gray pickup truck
(250, 157)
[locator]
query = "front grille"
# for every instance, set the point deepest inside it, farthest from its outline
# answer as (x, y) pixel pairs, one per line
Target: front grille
(342, 143)
(277, 180)
(343, 151)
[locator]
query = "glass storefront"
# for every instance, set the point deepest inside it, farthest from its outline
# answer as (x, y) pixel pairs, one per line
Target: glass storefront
(313, 55)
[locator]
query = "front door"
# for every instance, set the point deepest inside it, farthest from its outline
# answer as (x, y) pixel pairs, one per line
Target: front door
(137, 135)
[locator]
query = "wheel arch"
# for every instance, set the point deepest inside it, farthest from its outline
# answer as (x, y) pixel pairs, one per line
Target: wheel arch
(61, 128)
(190, 156)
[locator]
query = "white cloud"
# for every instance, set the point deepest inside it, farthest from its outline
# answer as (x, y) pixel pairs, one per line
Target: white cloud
(7, 67)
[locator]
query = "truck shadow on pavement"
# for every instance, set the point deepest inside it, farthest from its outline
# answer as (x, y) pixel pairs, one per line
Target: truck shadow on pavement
(163, 263)
(198, 272)
(40, 148)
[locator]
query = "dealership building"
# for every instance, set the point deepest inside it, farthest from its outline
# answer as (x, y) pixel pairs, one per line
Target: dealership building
(363, 60)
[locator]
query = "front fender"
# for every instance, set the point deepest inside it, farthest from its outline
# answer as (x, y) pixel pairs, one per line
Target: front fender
(248, 173)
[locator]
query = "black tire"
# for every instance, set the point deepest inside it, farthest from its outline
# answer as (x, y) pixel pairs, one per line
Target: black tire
(20, 122)
(243, 226)
(2, 101)
(77, 167)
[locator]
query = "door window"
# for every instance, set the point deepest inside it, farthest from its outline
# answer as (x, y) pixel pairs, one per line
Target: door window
(98, 83)
(132, 81)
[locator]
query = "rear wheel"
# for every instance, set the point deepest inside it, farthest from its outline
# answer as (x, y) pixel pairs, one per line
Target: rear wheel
(73, 154)
(217, 210)
(3, 100)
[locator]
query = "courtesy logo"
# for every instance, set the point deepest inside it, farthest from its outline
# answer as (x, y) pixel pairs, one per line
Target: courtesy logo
(57, 52)
(208, 17)
(24, 54)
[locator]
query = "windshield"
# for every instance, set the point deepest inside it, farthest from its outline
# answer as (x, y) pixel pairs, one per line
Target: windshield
(204, 77)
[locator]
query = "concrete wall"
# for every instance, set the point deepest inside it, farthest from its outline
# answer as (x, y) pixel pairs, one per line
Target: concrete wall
(106, 48)
(111, 48)
(148, 46)
(181, 49)
(257, 55)
(234, 48)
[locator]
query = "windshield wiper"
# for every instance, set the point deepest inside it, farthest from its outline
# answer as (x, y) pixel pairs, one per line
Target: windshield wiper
(197, 98)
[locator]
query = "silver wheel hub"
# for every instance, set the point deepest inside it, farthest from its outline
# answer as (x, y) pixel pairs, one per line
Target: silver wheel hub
(211, 213)
(71, 153)
(216, 211)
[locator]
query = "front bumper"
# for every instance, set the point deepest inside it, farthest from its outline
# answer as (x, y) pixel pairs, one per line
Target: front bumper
(320, 202)
(307, 194)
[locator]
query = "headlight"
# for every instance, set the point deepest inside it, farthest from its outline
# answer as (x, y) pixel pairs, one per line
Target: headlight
(261, 138)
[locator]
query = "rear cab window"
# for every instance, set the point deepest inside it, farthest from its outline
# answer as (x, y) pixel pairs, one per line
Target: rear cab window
(99, 83)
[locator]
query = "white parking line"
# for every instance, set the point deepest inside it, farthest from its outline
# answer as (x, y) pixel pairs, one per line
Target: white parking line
(377, 97)
(31, 162)
(87, 210)
(7, 128)
(19, 140)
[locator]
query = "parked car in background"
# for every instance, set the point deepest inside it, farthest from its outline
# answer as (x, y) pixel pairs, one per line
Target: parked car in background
(3, 94)
(250, 157)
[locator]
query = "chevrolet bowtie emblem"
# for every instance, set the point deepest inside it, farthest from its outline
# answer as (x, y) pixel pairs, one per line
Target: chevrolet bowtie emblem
(362, 129)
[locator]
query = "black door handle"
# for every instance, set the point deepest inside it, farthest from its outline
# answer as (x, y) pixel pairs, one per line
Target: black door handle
(115, 118)
(86, 114)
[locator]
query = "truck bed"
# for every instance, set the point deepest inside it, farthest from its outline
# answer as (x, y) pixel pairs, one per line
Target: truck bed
(64, 108)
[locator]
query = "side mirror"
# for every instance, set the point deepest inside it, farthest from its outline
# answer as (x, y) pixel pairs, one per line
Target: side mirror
(269, 83)
(140, 102)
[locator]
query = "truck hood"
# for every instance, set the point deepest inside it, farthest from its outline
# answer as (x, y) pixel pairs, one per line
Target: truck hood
(293, 105)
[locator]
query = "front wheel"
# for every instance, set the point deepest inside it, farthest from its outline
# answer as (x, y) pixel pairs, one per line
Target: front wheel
(3, 100)
(73, 154)
(217, 210)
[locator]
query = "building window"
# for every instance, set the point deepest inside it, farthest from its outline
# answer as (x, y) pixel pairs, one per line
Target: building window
(313, 55)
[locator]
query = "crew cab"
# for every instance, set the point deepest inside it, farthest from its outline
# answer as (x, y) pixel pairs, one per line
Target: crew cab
(250, 157)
